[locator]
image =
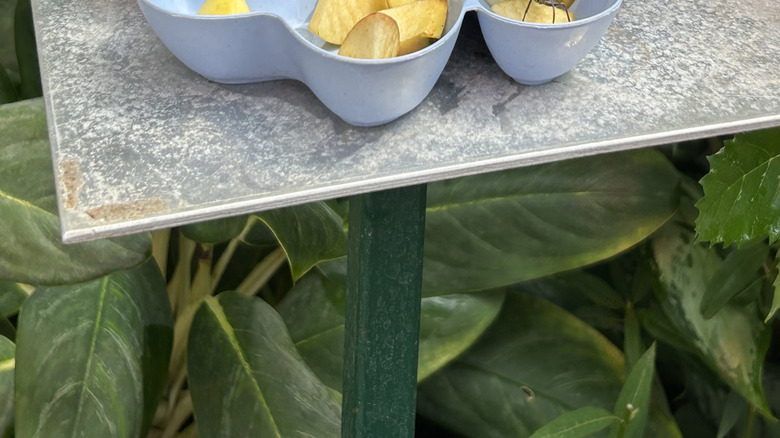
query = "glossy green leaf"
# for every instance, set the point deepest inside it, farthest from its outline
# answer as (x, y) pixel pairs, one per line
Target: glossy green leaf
(93, 357)
(309, 234)
(741, 198)
(501, 228)
(579, 423)
(633, 403)
(534, 363)
(7, 364)
(26, 51)
(314, 313)
(248, 380)
(7, 88)
(12, 295)
(215, 231)
(32, 251)
(737, 273)
(259, 234)
(734, 342)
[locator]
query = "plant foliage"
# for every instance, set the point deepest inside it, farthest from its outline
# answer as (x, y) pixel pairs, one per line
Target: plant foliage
(543, 288)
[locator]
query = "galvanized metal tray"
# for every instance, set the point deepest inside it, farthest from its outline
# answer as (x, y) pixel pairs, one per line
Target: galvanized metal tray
(140, 141)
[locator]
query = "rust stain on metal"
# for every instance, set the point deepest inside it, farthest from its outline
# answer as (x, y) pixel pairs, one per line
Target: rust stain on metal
(71, 181)
(128, 210)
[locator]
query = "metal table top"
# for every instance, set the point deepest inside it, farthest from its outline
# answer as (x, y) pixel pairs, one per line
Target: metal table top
(140, 142)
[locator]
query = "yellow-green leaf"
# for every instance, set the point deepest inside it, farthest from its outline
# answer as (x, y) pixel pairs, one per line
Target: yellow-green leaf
(248, 380)
(92, 358)
(734, 342)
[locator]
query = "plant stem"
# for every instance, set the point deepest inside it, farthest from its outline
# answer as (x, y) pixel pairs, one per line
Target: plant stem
(176, 387)
(160, 242)
(200, 287)
(628, 414)
(180, 415)
(179, 285)
(224, 259)
(261, 273)
(751, 421)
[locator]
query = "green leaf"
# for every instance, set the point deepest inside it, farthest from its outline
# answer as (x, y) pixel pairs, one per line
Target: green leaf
(632, 338)
(26, 51)
(578, 423)
(7, 89)
(772, 385)
(501, 228)
(776, 292)
(309, 234)
(737, 273)
(661, 328)
(693, 423)
(32, 251)
(534, 363)
(733, 411)
(7, 329)
(741, 198)
(7, 49)
(314, 313)
(247, 379)
(7, 364)
(633, 403)
(660, 421)
(12, 295)
(93, 357)
(594, 288)
(734, 342)
(215, 231)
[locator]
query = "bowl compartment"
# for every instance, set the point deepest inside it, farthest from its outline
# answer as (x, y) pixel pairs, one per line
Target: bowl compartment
(533, 53)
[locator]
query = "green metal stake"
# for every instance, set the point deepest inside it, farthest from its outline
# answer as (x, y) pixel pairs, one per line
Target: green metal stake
(383, 313)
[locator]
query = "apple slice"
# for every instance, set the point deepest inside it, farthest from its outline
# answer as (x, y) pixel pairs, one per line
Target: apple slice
(421, 18)
(333, 19)
(397, 3)
(536, 12)
(413, 44)
(375, 36)
(223, 7)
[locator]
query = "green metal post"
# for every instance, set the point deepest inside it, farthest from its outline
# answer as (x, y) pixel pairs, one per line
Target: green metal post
(383, 313)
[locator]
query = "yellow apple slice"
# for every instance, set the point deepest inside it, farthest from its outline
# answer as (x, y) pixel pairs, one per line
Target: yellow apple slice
(333, 19)
(413, 44)
(375, 36)
(397, 3)
(223, 7)
(424, 18)
(536, 12)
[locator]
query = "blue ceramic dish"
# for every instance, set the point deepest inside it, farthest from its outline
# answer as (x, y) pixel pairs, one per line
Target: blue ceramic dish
(273, 42)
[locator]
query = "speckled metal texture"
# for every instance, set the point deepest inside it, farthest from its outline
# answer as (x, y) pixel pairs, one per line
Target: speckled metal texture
(141, 142)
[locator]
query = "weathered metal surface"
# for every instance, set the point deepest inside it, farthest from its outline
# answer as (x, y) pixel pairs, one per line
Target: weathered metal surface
(141, 142)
